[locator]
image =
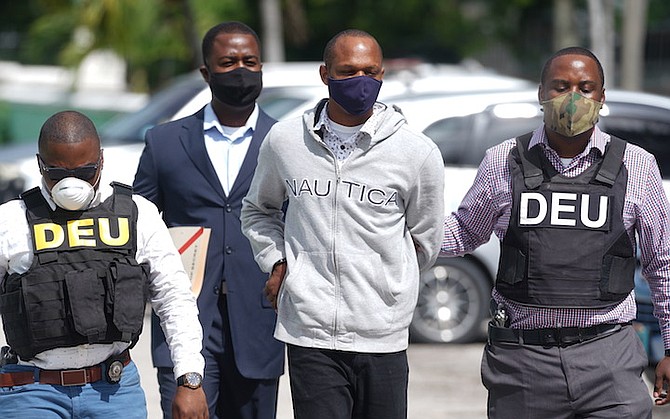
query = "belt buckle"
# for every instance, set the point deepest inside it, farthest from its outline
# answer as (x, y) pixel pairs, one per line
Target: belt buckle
(550, 337)
(114, 370)
(73, 377)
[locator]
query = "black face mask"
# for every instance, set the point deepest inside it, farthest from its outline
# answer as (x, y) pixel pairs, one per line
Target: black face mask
(239, 87)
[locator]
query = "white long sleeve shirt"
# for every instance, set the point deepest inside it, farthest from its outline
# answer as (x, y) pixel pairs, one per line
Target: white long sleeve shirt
(169, 288)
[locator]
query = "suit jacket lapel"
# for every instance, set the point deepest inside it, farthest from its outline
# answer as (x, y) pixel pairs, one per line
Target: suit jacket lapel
(249, 164)
(193, 140)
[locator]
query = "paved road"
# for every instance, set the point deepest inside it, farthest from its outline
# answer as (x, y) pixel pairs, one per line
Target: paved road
(444, 382)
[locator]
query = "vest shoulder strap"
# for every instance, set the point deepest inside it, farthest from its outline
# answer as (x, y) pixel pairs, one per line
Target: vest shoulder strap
(612, 161)
(122, 198)
(530, 162)
(35, 203)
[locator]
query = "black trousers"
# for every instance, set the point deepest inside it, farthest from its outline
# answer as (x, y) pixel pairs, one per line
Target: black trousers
(329, 384)
(599, 378)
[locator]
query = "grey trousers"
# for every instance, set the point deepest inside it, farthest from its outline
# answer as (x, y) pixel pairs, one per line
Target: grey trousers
(600, 378)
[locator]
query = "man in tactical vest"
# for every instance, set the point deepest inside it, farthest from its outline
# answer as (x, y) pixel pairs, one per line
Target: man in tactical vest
(568, 202)
(77, 265)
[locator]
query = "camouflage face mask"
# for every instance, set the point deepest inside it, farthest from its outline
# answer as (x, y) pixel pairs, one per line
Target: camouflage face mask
(570, 114)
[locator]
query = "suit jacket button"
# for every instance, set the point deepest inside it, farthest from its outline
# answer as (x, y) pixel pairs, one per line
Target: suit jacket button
(229, 208)
(229, 250)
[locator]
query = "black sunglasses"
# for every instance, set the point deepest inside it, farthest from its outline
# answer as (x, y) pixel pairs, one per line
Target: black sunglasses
(86, 172)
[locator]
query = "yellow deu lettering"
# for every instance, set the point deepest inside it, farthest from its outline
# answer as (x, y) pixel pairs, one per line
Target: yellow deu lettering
(40, 232)
(106, 236)
(75, 231)
(85, 232)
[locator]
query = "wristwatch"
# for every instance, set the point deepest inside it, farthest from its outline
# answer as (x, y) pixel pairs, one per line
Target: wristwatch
(191, 380)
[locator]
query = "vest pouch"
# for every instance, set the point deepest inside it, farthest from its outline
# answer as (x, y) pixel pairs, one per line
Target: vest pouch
(45, 308)
(512, 265)
(129, 298)
(13, 320)
(88, 309)
(618, 276)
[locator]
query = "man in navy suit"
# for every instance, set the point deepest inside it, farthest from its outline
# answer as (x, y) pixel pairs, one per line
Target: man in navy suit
(197, 170)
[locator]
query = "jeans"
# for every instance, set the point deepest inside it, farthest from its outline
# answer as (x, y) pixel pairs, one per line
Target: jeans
(96, 400)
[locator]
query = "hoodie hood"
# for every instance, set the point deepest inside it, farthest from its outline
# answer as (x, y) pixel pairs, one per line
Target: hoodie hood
(391, 120)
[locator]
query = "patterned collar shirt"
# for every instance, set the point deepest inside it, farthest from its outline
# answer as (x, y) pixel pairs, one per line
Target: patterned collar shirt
(486, 208)
(342, 140)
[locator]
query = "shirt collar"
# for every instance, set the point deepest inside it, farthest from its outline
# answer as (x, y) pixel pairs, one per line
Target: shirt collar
(598, 140)
(210, 119)
(369, 127)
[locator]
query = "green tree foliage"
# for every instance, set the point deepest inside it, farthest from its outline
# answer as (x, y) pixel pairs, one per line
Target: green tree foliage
(433, 30)
(161, 38)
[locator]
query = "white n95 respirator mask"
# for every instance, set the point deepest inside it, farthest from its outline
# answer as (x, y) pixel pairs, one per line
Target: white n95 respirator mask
(72, 194)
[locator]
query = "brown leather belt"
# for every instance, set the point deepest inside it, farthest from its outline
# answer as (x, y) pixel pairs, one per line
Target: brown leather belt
(75, 377)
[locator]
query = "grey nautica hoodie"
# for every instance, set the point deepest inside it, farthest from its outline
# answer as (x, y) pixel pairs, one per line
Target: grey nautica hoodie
(355, 234)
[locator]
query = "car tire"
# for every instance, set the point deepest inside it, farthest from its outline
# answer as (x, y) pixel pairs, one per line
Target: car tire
(453, 303)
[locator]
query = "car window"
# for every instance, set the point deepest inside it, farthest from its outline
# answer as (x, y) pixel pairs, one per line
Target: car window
(452, 137)
(495, 130)
(130, 128)
(278, 102)
(646, 126)
(464, 140)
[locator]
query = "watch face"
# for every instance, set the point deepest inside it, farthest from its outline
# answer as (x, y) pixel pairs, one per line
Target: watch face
(192, 380)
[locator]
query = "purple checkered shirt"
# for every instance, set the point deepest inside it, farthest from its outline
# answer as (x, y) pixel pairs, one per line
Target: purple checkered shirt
(486, 209)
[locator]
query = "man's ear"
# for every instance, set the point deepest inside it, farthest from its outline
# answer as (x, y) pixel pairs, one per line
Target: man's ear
(39, 165)
(205, 73)
(323, 72)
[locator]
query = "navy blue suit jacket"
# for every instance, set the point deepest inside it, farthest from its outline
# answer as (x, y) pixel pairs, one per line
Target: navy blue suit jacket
(176, 174)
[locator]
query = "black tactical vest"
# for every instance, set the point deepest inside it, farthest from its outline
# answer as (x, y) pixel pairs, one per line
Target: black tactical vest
(566, 245)
(84, 285)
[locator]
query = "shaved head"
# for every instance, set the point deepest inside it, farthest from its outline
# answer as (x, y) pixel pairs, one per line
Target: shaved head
(329, 51)
(67, 127)
(573, 51)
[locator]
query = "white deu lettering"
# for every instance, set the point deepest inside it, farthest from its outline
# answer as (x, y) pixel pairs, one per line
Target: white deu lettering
(524, 218)
(602, 212)
(563, 208)
(557, 208)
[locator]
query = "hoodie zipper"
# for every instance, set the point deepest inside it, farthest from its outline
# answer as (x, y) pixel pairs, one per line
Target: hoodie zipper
(335, 264)
(333, 226)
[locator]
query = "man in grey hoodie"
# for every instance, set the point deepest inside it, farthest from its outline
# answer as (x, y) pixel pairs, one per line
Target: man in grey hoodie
(364, 216)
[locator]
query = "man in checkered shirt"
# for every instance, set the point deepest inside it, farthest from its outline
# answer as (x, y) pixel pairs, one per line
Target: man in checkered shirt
(567, 202)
